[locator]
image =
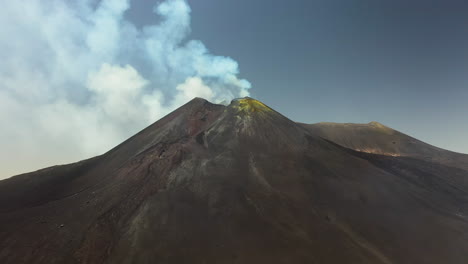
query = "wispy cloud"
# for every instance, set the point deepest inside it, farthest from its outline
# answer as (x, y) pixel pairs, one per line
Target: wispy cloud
(76, 79)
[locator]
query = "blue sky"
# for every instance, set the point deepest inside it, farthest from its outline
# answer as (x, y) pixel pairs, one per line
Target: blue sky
(402, 63)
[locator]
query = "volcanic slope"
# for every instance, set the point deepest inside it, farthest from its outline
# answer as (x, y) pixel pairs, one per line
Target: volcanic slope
(379, 139)
(235, 184)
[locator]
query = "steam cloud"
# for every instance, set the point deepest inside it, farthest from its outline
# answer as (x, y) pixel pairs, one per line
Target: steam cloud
(76, 79)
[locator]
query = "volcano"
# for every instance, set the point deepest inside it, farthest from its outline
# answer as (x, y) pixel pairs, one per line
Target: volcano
(243, 184)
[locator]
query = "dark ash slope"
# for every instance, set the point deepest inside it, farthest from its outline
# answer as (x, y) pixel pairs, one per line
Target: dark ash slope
(235, 184)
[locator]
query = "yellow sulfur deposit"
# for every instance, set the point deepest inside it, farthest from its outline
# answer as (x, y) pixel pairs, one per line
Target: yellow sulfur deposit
(249, 105)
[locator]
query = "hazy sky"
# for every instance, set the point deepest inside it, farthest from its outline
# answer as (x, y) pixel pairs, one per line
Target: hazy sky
(78, 77)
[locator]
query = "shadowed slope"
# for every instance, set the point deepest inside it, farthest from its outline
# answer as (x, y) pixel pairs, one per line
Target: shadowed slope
(235, 184)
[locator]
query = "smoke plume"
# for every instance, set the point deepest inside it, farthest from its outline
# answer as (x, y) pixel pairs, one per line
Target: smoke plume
(78, 78)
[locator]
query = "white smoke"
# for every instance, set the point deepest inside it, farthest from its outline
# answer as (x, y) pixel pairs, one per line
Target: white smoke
(76, 79)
